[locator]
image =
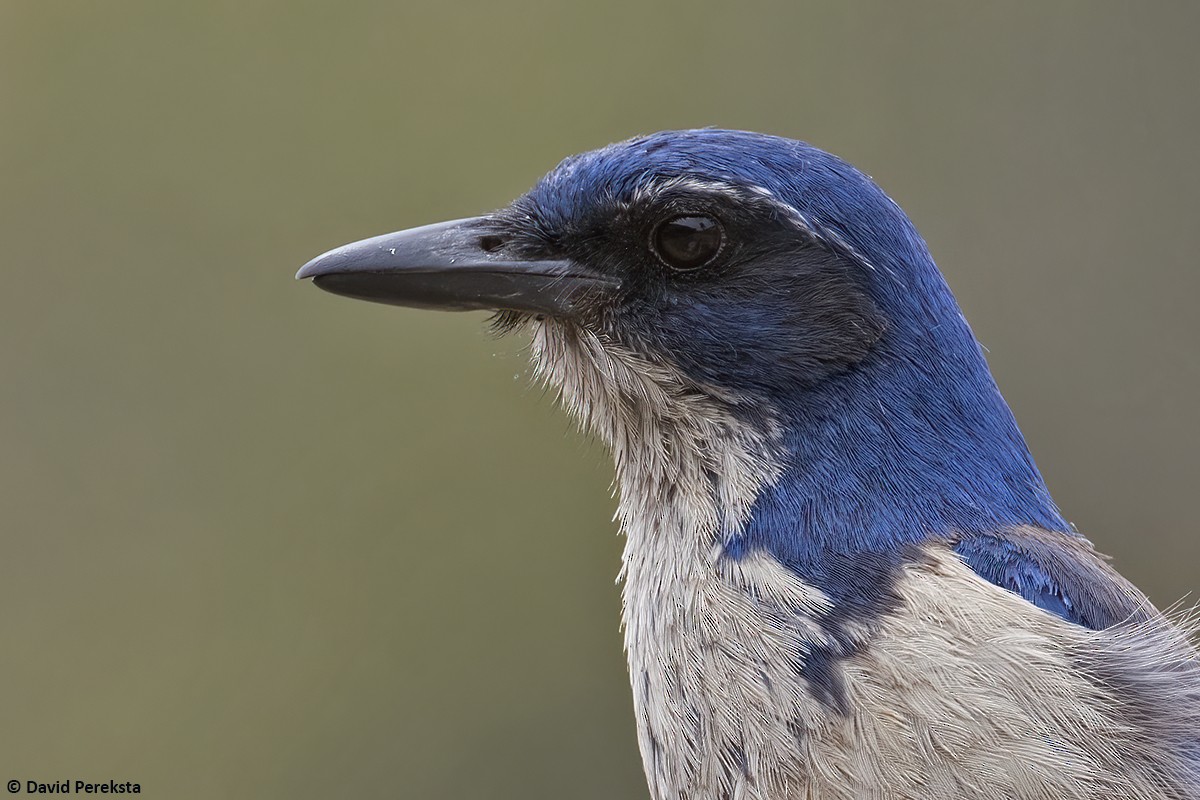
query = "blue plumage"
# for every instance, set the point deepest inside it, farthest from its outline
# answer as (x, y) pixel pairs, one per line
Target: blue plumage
(1001, 561)
(844, 575)
(914, 443)
(1060, 576)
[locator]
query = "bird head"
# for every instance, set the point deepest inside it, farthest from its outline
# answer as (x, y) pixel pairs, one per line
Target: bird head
(726, 256)
(744, 277)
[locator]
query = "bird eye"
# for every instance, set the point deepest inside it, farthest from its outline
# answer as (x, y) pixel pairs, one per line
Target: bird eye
(687, 242)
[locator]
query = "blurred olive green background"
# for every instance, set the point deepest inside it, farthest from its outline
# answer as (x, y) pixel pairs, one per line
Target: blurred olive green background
(259, 541)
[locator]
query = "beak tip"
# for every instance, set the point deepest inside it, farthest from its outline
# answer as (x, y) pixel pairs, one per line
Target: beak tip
(311, 269)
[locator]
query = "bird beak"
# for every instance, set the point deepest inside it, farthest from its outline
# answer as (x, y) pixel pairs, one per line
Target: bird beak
(446, 266)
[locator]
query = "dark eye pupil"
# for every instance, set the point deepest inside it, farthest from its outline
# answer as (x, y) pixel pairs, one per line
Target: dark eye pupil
(688, 242)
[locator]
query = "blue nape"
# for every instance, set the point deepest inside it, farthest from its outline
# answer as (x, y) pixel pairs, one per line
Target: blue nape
(907, 443)
(915, 443)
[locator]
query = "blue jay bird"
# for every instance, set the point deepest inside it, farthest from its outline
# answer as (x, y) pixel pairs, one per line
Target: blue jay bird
(843, 574)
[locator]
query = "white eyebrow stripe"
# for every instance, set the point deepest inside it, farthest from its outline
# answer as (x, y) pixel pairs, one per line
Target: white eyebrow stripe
(740, 192)
(736, 192)
(833, 239)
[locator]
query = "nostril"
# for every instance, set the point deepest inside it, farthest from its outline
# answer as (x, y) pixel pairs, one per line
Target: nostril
(491, 243)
